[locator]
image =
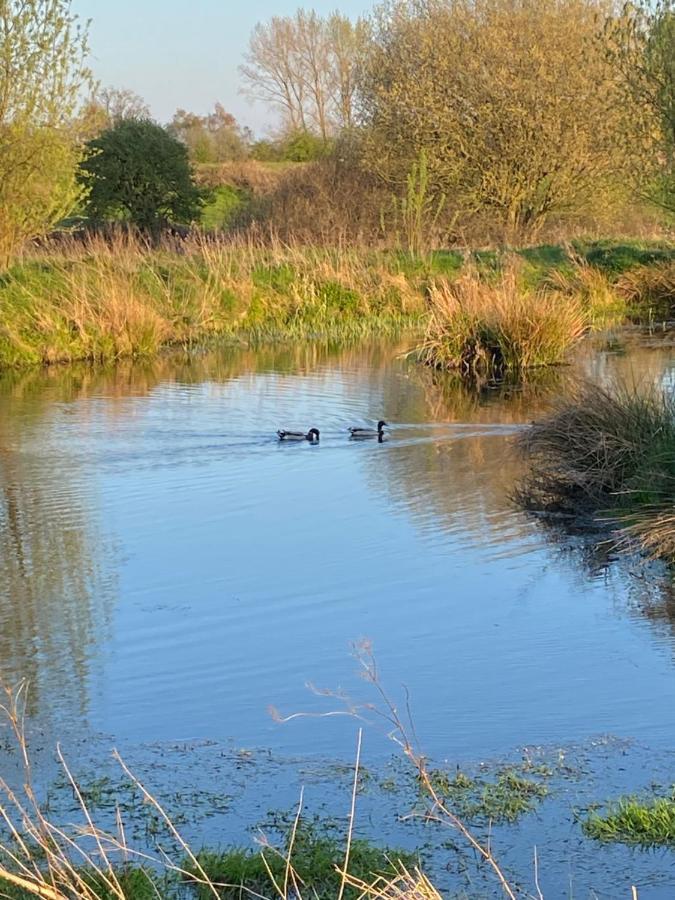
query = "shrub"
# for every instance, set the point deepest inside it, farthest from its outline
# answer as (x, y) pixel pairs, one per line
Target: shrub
(137, 172)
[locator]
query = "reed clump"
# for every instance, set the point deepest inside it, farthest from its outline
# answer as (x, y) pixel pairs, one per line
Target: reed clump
(478, 325)
(649, 285)
(608, 453)
(591, 286)
(103, 299)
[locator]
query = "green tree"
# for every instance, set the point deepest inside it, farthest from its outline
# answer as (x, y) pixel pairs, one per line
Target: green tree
(513, 102)
(137, 172)
(642, 48)
(42, 71)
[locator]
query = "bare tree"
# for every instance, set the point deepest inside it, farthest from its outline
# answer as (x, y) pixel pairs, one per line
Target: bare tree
(122, 103)
(303, 65)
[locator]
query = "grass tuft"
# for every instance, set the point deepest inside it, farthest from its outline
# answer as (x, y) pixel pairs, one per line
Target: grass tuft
(497, 326)
(608, 453)
(647, 823)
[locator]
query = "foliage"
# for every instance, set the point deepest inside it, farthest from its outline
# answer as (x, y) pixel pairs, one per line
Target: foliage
(317, 858)
(304, 66)
(526, 125)
(417, 211)
(641, 47)
(216, 137)
(137, 172)
(648, 823)
(478, 326)
(108, 106)
(42, 47)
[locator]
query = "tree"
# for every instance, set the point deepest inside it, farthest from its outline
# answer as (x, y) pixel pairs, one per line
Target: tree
(42, 71)
(304, 66)
(513, 102)
(108, 106)
(642, 49)
(216, 137)
(138, 173)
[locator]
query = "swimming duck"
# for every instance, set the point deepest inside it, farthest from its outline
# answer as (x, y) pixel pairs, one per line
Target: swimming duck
(369, 432)
(312, 435)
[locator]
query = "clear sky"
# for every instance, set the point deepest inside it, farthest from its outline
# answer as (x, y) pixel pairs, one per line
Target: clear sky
(185, 53)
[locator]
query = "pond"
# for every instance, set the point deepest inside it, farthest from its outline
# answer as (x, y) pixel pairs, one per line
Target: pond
(169, 571)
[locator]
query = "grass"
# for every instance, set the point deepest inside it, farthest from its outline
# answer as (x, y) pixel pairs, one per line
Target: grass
(649, 286)
(317, 861)
(647, 823)
(99, 300)
(608, 453)
(497, 326)
(95, 299)
(505, 799)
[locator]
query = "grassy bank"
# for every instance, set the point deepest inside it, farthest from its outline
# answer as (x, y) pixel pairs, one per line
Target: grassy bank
(95, 299)
(608, 455)
(101, 300)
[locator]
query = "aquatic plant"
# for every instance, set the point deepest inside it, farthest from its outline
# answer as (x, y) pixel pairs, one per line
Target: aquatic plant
(646, 822)
(479, 325)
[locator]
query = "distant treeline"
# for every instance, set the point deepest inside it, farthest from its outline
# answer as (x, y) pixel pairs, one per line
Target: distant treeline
(427, 122)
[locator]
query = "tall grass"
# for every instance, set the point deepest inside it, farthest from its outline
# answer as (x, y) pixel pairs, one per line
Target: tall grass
(649, 285)
(101, 299)
(608, 453)
(478, 325)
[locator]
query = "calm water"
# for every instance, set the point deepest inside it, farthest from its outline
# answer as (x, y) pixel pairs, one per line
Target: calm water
(168, 570)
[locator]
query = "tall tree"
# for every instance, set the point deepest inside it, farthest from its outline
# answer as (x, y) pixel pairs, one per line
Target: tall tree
(216, 137)
(42, 71)
(303, 65)
(642, 48)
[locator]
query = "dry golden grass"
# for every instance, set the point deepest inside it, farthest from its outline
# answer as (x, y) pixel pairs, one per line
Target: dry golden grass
(103, 299)
(477, 325)
(649, 285)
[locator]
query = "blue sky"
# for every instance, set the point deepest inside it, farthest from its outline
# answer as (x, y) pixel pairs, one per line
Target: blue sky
(185, 53)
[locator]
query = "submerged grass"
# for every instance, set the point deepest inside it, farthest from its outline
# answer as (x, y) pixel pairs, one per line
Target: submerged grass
(608, 453)
(647, 823)
(503, 799)
(497, 325)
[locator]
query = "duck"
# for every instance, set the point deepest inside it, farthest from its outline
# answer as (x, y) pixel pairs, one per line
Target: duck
(369, 432)
(312, 435)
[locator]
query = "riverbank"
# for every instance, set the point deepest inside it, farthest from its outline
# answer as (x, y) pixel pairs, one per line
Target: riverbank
(101, 300)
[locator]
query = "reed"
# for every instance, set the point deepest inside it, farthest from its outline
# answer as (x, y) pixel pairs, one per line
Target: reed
(478, 325)
(649, 285)
(608, 453)
(104, 299)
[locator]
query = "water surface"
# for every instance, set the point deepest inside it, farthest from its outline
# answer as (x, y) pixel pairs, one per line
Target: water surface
(168, 570)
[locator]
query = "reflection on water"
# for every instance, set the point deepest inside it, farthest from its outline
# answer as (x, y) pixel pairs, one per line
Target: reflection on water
(168, 570)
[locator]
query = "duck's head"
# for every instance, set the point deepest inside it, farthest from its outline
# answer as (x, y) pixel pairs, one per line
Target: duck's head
(313, 434)
(381, 424)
